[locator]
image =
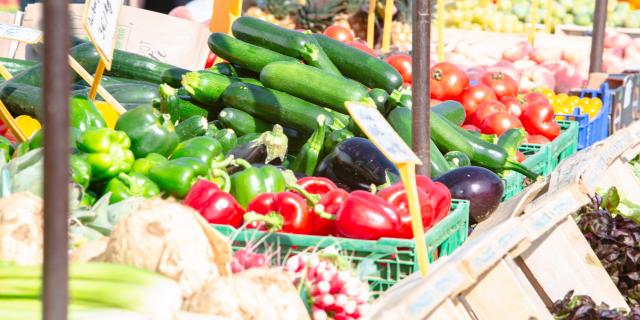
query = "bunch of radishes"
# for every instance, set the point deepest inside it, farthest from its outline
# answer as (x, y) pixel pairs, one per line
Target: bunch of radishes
(247, 258)
(332, 293)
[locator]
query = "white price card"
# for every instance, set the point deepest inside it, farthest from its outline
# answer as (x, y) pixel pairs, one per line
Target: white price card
(100, 21)
(376, 127)
(18, 33)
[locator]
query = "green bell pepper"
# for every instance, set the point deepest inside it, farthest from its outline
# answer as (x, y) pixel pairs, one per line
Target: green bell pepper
(149, 130)
(83, 114)
(204, 148)
(106, 151)
(143, 165)
(227, 138)
(80, 171)
(252, 181)
(176, 176)
(7, 147)
(37, 139)
(131, 185)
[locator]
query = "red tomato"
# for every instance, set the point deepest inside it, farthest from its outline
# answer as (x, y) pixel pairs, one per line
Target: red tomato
(537, 139)
(532, 97)
(339, 33)
(485, 109)
(470, 127)
(359, 44)
(498, 123)
(447, 82)
(402, 63)
(501, 84)
(211, 58)
(434, 102)
(520, 156)
(474, 96)
(513, 105)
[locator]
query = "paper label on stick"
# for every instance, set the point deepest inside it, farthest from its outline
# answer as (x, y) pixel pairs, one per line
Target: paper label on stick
(100, 21)
(18, 33)
(376, 127)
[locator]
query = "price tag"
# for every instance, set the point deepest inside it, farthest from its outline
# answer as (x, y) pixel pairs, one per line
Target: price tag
(374, 125)
(100, 20)
(19, 33)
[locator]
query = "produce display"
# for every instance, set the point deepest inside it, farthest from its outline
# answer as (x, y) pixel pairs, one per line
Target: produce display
(246, 190)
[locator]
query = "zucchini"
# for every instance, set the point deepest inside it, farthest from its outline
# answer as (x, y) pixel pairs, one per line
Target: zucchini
(241, 122)
(21, 99)
(359, 66)
(224, 68)
(110, 81)
(15, 66)
(312, 84)
(178, 108)
(452, 110)
(133, 93)
(125, 64)
(192, 127)
(288, 42)
(278, 107)
(206, 87)
(380, 98)
(173, 76)
(244, 54)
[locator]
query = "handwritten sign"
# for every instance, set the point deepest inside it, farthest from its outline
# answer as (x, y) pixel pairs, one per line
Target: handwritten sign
(19, 33)
(376, 127)
(100, 21)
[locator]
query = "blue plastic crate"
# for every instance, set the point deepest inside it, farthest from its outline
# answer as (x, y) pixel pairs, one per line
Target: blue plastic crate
(593, 130)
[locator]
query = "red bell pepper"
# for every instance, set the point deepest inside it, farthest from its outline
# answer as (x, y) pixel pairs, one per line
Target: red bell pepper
(439, 196)
(325, 199)
(366, 216)
(316, 185)
(537, 118)
(282, 211)
(215, 205)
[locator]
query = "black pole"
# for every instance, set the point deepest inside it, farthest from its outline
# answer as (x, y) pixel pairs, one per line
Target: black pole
(597, 36)
(421, 36)
(57, 85)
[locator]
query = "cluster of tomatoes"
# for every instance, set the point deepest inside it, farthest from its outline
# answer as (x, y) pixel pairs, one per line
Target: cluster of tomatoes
(494, 105)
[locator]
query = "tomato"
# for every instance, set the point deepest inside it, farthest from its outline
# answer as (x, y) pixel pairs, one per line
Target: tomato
(513, 105)
(403, 64)
(498, 123)
(537, 139)
(470, 127)
(474, 96)
(447, 82)
(534, 97)
(485, 109)
(359, 44)
(501, 84)
(339, 33)
(211, 58)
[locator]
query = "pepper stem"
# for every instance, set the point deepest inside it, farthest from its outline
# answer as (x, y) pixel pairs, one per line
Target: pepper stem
(128, 181)
(319, 210)
(226, 181)
(273, 220)
(223, 163)
(241, 163)
(312, 198)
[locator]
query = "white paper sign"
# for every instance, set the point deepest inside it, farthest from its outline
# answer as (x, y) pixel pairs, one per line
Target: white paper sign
(18, 33)
(100, 21)
(376, 127)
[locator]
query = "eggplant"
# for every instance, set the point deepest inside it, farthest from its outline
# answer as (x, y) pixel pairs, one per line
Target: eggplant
(356, 164)
(480, 186)
(269, 147)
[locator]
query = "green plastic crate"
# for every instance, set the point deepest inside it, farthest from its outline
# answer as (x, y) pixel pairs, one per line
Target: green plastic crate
(565, 145)
(394, 259)
(537, 160)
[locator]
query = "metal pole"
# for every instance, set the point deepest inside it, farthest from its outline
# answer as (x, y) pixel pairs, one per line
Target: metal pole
(597, 36)
(57, 85)
(420, 83)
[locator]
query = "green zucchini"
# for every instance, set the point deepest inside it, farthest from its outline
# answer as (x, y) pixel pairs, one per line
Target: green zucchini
(206, 87)
(133, 93)
(241, 122)
(178, 108)
(17, 65)
(360, 66)
(192, 127)
(173, 76)
(21, 99)
(380, 98)
(278, 107)
(400, 120)
(31, 76)
(288, 42)
(457, 159)
(224, 68)
(452, 110)
(125, 64)
(312, 84)
(244, 54)
(110, 81)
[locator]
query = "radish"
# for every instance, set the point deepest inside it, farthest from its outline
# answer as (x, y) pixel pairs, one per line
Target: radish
(319, 314)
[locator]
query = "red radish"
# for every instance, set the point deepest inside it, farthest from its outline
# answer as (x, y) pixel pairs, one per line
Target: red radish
(319, 314)
(486, 109)
(513, 106)
(359, 44)
(246, 258)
